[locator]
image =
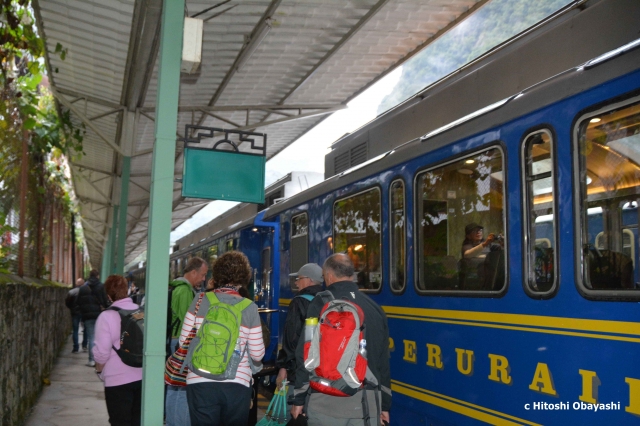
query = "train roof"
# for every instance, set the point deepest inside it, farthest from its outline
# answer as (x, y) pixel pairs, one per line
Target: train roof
(570, 37)
(564, 85)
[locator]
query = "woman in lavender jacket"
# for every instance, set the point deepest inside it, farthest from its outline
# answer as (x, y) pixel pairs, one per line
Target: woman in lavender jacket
(122, 384)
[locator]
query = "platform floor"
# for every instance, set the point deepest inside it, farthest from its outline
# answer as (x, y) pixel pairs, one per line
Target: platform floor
(76, 395)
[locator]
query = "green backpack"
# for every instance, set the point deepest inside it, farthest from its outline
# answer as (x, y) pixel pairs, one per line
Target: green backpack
(212, 352)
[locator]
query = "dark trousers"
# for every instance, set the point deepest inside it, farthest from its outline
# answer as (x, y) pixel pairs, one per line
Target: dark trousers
(216, 404)
(124, 404)
(76, 320)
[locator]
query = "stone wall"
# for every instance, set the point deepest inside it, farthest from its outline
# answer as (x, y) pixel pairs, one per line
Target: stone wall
(34, 324)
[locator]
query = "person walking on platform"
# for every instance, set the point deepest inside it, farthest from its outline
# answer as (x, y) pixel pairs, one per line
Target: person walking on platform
(225, 396)
(92, 300)
(182, 292)
(372, 408)
(76, 316)
(122, 382)
(309, 282)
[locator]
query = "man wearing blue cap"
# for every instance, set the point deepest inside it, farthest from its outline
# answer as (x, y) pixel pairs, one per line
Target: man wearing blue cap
(309, 282)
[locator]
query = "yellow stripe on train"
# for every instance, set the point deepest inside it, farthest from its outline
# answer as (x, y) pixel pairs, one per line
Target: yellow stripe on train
(600, 329)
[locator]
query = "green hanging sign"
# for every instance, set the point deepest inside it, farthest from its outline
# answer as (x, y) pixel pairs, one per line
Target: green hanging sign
(217, 174)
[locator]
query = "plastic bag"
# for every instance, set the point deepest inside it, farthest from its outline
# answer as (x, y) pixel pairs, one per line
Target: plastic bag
(277, 411)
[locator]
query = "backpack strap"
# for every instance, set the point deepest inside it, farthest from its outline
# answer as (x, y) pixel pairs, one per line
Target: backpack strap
(243, 304)
(309, 297)
(326, 296)
(213, 299)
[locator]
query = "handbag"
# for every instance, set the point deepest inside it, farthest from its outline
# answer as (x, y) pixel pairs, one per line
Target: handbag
(277, 411)
(175, 373)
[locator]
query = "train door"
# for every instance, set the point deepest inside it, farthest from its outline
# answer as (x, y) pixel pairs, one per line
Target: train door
(266, 295)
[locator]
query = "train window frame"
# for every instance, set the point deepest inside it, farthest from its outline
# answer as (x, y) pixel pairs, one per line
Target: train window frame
(496, 144)
(333, 230)
(528, 243)
(580, 216)
(402, 289)
(626, 231)
(292, 280)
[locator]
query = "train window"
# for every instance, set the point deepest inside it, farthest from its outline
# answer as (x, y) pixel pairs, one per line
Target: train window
(539, 212)
(299, 252)
(231, 244)
(356, 232)
(212, 256)
(460, 224)
(397, 229)
(609, 178)
(179, 267)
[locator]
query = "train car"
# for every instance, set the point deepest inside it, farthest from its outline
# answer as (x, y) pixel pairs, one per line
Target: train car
(542, 328)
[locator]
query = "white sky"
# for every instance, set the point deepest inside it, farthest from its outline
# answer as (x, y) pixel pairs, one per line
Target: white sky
(307, 153)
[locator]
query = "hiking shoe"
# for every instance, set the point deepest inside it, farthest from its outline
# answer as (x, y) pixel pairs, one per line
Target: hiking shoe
(91, 364)
(75, 351)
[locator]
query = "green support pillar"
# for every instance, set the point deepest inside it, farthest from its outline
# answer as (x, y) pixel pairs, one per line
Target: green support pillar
(164, 150)
(113, 235)
(106, 250)
(122, 221)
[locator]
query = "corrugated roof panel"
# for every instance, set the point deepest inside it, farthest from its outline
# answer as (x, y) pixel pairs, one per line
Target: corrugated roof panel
(318, 52)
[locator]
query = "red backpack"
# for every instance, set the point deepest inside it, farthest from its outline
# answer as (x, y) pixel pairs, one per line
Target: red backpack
(332, 357)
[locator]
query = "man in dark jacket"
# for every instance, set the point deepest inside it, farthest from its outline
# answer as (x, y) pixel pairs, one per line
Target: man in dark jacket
(309, 282)
(76, 316)
(328, 410)
(92, 299)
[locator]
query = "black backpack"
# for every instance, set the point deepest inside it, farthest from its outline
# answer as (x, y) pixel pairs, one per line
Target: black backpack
(131, 336)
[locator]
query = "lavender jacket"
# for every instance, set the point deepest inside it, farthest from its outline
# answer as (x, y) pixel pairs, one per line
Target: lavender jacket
(107, 334)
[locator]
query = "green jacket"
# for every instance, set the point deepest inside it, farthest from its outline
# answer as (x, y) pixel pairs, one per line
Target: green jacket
(181, 298)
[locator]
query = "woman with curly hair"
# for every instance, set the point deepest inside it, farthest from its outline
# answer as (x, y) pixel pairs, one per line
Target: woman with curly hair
(122, 383)
(216, 402)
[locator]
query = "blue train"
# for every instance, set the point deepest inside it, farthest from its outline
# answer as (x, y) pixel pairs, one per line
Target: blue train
(543, 327)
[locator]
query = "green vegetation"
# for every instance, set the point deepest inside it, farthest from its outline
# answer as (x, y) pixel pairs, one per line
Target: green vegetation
(494, 23)
(28, 112)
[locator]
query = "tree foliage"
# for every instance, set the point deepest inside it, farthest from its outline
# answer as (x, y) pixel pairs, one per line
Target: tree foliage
(28, 112)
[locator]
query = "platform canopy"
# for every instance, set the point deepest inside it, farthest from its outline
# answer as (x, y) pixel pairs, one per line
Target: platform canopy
(272, 66)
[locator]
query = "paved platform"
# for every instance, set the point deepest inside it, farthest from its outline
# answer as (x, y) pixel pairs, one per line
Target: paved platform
(75, 396)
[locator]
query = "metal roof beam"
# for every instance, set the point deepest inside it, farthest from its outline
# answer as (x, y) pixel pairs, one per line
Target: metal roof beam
(98, 190)
(275, 111)
(257, 107)
(143, 50)
(91, 227)
(104, 114)
(89, 98)
(93, 169)
(234, 124)
(93, 218)
(296, 117)
(101, 179)
(85, 120)
(192, 206)
(147, 175)
(139, 186)
(90, 200)
(143, 152)
(92, 238)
